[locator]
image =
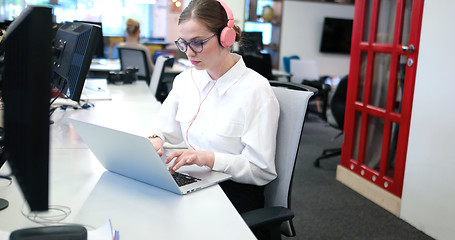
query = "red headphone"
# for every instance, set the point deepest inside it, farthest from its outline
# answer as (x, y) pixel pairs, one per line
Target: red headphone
(227, 37)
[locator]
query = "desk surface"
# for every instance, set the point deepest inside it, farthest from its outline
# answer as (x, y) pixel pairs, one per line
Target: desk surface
(137, 210)
(106, 65)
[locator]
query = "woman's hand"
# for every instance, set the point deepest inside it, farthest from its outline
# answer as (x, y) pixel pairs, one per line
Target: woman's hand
(158, 144)
(189, 157)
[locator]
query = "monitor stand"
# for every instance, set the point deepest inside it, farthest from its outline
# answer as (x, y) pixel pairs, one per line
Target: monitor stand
(3, 204)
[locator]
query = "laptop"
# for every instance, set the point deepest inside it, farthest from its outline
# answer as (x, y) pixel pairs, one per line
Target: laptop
(135, 157)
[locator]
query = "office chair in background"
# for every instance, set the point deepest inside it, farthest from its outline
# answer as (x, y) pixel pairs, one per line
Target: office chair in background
(335, 117)
(307, 72)
(276, 217)
(157, 86)
(130, 57)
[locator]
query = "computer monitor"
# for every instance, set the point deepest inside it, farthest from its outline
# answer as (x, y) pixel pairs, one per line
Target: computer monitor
(73, 48)
(99, 48)
(264, 27)
(251, 42)
(25, 94)
(336, 35)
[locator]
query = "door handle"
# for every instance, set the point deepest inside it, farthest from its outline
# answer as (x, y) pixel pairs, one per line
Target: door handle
(409, 48)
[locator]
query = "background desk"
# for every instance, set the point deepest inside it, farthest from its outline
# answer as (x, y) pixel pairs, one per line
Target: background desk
(100, 68)
(137, 210)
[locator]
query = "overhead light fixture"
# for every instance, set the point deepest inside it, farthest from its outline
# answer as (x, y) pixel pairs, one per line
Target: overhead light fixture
(176, 5)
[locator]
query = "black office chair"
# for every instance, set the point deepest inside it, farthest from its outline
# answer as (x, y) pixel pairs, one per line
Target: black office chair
(337, 110)
(276, 217)
(321, 97)
(131, 57)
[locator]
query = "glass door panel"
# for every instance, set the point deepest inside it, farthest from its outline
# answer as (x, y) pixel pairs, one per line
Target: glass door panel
(386, 21)
(381, 72)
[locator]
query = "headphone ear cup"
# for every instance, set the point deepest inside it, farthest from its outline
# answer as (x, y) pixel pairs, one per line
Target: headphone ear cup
(227, 37)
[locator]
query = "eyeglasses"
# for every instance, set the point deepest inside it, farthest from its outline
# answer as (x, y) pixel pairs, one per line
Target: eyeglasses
(196, 46)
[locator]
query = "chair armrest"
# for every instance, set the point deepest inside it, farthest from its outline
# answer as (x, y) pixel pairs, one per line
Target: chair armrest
(267, 216)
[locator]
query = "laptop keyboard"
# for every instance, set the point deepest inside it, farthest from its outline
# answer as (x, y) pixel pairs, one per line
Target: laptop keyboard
(183, 179)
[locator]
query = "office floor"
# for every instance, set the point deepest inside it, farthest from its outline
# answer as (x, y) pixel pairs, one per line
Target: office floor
(327, 209)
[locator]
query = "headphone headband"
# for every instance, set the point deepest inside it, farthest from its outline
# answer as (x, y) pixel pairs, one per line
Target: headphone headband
(227, 37)
(229, 14)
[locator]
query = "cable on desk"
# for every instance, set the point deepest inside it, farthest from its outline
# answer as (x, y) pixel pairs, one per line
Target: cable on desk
(3, 159)
(87, 104)
(7, 178)
(54, 215)
(61, 213)
(60, 92)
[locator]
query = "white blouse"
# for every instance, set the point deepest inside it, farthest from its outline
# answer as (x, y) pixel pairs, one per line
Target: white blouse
(237, 121)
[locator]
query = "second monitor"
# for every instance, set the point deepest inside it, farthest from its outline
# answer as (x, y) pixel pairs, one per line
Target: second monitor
(73, 48)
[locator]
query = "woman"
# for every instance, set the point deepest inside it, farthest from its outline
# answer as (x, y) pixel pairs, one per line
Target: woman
(225, 112)
(133, 32)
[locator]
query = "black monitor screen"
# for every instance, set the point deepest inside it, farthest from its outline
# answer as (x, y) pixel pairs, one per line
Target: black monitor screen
(336, 35)
(251, 42)
(25, 93)
(73, 48)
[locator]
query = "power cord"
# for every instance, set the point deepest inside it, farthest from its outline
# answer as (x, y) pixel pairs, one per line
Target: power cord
(54, 215)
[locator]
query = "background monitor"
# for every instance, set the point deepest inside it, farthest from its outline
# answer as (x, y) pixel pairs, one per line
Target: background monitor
(73, 48)
(336, 35)
(264, 27)
(251, 42)
(25, 93)
(99, 48)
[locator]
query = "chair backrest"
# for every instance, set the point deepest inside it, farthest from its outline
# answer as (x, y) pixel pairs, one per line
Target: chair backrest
(293, 100)
(130, 57)
(157, 74)
(338, 102)
(304, 70)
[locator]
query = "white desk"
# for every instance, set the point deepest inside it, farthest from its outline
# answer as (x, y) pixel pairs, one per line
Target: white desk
(137, 210)
(99, 64)
(106, 65)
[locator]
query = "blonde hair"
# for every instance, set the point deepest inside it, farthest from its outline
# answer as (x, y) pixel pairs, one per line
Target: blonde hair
(132, 26)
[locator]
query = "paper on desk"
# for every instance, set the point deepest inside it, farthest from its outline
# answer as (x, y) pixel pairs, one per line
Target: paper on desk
(104, 232)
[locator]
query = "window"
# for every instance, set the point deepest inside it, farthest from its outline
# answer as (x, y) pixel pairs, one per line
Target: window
(111, 13)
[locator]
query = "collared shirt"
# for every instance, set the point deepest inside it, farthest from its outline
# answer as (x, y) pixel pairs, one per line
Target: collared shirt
(237, 121)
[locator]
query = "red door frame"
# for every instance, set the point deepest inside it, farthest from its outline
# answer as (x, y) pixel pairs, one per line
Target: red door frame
(392, 184)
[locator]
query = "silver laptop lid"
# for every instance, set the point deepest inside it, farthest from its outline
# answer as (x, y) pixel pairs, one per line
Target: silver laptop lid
(126, 154)
(135, 157)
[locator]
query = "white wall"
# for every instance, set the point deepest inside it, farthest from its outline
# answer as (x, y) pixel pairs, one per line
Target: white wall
(238, 9)
(301, 32)
(428, 200)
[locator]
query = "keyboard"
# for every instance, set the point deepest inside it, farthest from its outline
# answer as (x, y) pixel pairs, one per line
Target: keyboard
(183, 179)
